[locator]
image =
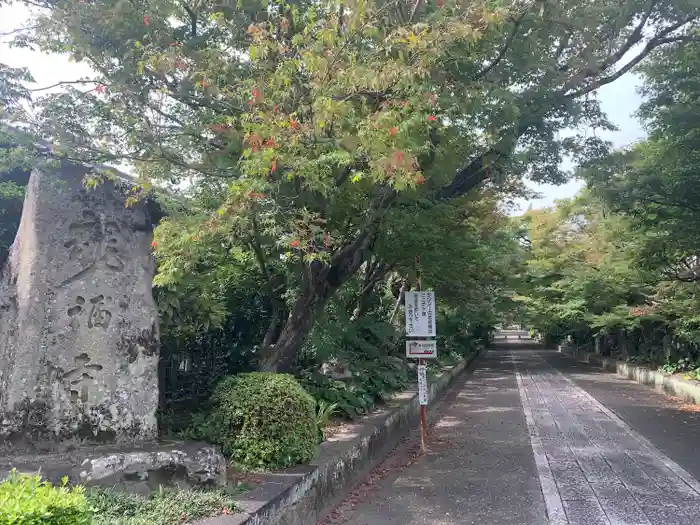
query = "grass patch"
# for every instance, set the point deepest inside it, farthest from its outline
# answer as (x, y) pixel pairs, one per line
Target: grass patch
(165, 507)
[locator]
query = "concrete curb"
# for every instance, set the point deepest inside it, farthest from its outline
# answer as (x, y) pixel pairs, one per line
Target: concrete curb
(685, 389)
(300, 496)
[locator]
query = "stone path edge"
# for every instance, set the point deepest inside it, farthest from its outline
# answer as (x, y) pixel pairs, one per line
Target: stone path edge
(299, 496)
(685, 389)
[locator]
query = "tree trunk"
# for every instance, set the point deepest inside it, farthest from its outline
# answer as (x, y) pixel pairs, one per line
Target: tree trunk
(313, 296)
(402, 291)
(374, 275)
(276, 320)
(319, 283)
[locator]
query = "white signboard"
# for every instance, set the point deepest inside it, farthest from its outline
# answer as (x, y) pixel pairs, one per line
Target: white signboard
(422, 349)
(422, 385)
(420, 314)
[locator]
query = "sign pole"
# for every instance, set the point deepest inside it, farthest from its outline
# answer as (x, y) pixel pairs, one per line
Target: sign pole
(421, 370)
(423, 417)
(419, 309)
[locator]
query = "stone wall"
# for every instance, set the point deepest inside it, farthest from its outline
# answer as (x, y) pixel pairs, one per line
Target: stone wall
(78, 323)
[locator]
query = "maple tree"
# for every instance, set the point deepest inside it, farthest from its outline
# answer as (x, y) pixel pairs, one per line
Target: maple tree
(305, 127)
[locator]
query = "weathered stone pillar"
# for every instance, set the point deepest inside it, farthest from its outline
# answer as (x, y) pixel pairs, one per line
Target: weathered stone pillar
(78, 323)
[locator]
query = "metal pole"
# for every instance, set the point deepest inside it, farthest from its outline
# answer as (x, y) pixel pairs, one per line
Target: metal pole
(423, 408)
(423, 420)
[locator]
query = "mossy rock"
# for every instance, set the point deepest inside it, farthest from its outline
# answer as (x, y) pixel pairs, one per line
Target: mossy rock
(262, 420)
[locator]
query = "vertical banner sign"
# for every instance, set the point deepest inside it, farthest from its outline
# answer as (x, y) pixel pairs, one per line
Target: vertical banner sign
(420, 314)
(422, 386)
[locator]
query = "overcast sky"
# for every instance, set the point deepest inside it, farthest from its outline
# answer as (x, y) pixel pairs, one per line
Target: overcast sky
(619, 99)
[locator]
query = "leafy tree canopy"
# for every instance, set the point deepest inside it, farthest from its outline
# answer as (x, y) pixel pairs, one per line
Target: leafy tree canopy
(308, 131)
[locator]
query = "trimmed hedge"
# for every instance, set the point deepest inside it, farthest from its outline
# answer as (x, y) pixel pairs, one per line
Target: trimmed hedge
(27, 500)
(261, 420)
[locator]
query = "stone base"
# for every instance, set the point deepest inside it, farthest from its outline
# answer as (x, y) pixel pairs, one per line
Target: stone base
(136, 469)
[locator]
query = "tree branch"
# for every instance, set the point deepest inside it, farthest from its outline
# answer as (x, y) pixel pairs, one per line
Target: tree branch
(193, 20)
(509, 41)
(633, 39)
(64, 83)
(661, 39)
(18, 30)
(468, 177)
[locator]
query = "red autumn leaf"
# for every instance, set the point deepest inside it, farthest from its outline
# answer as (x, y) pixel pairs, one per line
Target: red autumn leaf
(440, 3)
(295, 243)
(255, 195)
(203, 83)
(226, 510)
(275, 110)
(433, 99)
(294, 123)
(100, 88)
(393, 131)
(420, 179)
(254, 140)
(270, 143)
(273, 167)
(399, 156)
(432, 118)
(147, 20)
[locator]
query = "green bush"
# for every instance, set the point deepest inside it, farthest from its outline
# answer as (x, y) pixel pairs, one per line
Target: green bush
(261, 420)
(27, 500)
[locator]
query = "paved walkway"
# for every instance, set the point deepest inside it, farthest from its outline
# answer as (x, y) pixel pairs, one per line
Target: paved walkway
(523, 441)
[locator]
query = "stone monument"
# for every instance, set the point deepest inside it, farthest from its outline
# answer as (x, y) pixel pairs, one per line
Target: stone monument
(78, 323)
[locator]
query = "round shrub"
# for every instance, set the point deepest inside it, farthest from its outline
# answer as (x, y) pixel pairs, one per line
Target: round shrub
(27, 500)
(263, 420)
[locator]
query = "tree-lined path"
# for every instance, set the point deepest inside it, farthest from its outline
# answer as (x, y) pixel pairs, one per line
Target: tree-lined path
(532, 437)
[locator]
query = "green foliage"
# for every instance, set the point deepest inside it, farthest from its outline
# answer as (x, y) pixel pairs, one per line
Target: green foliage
(164, 507)
(684, 364)
(581, 276)
(11, 190)
(261, 420)
(324, 413)
(309, 133)
(27, 500)
(620, 261)
(648, 358)
(372, 382)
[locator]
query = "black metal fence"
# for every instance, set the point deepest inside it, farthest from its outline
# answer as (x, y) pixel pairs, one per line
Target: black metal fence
(191, 368)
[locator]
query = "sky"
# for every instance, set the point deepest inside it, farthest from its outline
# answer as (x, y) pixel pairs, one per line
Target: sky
(619, 100)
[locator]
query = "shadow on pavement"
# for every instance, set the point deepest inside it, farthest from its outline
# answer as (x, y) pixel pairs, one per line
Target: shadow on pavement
(669, 424)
